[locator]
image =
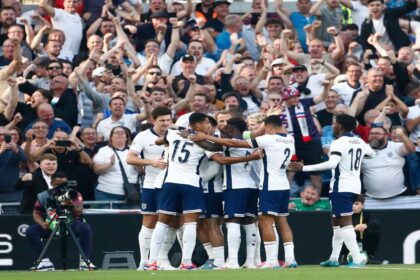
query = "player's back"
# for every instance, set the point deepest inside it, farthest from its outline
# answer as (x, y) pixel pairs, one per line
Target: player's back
(278, 151)
(346, 176)
(184, 160)
(238, 175)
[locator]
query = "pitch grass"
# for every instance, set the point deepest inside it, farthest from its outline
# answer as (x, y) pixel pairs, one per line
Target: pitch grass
(391, 272)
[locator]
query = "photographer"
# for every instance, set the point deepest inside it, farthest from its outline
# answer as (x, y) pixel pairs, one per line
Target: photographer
(46, 207)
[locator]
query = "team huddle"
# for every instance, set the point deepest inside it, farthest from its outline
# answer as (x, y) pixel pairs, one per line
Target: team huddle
(197, 177)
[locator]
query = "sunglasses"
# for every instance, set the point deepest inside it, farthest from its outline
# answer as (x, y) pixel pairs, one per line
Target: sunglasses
(54, 68)
(155, 73)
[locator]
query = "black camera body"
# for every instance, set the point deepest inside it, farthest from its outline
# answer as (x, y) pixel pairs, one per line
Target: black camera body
(59, 195)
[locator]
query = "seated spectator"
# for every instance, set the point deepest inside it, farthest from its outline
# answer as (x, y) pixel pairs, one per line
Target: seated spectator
(309, 201)
(382, 175)
(36, 182)
(367, 229)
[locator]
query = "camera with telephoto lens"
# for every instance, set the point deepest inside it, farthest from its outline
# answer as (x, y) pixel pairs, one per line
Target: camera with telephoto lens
(60, 194)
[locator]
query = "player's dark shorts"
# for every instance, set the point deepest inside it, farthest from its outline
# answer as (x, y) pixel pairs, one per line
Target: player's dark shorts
(274, 202)
(240, 203)
(310, 153)
(213, 205)
(342, 203)
(180, 198)
(149, 201)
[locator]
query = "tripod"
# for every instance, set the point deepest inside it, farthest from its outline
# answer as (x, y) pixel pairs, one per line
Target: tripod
(63, 226)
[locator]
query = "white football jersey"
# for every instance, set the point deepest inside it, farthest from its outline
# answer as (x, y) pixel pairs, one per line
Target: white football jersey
(238, 175)
(278, 150)
(144, 146)
(346, 176)
(184, 160)
(212, 176)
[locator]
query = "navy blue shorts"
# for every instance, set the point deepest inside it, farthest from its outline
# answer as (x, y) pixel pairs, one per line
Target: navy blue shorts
(180, 198)
(213, 205)
(240, 203)
(149, 201)
(342, 203)
(274, 203)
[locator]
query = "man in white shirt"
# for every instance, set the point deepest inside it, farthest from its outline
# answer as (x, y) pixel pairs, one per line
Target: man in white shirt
(196, 49)
(119, 118)
(346, 156)
(383, 176)
(68, 21)
(347, 88)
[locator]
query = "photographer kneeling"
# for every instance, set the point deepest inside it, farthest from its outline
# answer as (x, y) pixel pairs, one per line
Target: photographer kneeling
(47, 206)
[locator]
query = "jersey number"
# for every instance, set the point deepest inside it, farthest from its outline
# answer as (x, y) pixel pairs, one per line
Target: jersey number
(356, 158)
(287, 154)
(184, 150)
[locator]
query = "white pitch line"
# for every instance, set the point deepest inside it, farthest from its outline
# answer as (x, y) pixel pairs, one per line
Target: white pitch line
(386, 268)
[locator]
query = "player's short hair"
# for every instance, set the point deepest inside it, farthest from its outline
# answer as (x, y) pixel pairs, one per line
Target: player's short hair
(360, 198)
(239, 123)
(160, 111)
(212, 121)
(197, 117)
(347, 122)
(274, 121)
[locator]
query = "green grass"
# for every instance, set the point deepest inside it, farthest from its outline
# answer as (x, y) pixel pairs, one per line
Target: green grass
(391, 272)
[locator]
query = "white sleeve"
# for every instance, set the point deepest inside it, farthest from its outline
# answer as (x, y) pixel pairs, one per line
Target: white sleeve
(330, 164)
(137, 145)
(370, 153)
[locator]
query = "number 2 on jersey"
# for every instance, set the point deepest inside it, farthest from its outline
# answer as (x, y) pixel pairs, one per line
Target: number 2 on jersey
(356, 158)
(287, 154)
(184, 150)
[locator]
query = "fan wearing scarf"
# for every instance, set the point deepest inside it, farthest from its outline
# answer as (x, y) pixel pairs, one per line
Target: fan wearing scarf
(302, 126)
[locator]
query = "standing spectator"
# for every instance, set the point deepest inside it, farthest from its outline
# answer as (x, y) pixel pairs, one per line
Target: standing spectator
(413, 125)
(68, 21)
(107, 166)
(36, 182)
(38, 138)
(302, 126)
(385, 22)
(383, 176)
(11, 155)
(300, 19)
(347, 88)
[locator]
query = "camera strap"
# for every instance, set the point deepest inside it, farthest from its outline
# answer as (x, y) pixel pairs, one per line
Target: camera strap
(124, 175)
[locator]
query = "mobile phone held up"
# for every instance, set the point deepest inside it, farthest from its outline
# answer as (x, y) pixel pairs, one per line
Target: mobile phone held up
(63, 143)
(7, 139)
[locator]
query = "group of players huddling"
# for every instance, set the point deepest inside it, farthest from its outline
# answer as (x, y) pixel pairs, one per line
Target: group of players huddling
(198, 177)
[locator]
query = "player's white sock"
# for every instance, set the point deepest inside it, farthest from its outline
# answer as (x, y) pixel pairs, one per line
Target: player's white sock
(337, 243)
(349, 236)
(188, 239)
(277, 241)
(180, 236)
(258, 249)
(219, 255)
(158, 236)
(166, 246)
(209, 250)
(289, 251)
(234, 241)
(251, 243)
(270, 252)
(145, 236)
